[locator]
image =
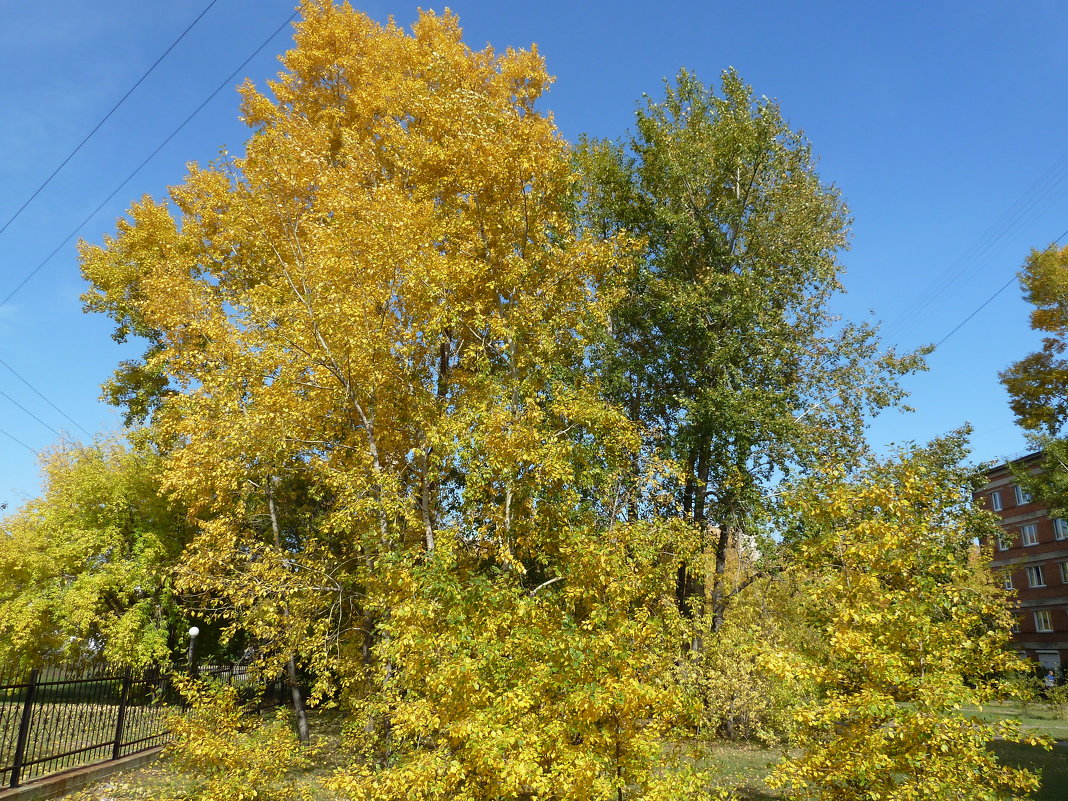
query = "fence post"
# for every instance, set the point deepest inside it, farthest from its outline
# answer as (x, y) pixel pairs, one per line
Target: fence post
(24, 727)
(127, 680)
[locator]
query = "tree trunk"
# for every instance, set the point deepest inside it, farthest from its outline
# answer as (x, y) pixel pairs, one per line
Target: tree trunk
(682, 590)
(691, 486)
(299, 709)
(719, 595)
(701, 482)
(635, 417)
(694, 499)
(431, 490)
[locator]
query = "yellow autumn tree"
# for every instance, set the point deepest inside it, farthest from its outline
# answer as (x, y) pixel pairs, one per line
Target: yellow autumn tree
(909, 627)
(368, 364)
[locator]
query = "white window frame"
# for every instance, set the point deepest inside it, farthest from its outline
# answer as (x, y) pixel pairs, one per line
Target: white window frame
(1032, 572)
(1008, 581)
(1017, 628)
(1060, 528)
(1064, 572)
(1004, 541)
(1022, 496)
(995, 501)
(1043, 620)
(1029, 534)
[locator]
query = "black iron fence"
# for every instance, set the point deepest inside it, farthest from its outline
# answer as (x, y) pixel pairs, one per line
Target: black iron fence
(260, 696)
(55, 719)
(52, 719)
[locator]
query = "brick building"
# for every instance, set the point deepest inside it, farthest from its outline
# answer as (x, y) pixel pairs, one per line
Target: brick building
(1034, 561)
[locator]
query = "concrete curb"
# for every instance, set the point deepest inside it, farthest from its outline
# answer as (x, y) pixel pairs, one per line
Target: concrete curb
(68, 781)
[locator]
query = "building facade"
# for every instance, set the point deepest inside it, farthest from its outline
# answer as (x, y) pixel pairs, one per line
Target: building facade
(1032, 559)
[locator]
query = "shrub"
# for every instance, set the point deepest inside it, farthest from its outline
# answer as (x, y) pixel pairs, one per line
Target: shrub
(240, 757)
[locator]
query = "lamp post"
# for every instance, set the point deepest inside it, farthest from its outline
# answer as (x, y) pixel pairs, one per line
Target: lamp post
(193, 632)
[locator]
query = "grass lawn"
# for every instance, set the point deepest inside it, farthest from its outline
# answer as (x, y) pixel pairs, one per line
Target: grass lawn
(1052, 765)
(1034, 718)
(745, 766)
(740, 765)
(159, 782)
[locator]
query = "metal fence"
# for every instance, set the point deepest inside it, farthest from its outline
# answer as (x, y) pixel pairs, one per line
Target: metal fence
(54, 719)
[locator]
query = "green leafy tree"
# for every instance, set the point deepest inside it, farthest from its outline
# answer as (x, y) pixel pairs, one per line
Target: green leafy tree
(726, 349)
(86, 569)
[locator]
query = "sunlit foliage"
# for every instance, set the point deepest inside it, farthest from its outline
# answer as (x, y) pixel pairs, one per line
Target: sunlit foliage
(486, 446)
(909, 629)
(86, 566)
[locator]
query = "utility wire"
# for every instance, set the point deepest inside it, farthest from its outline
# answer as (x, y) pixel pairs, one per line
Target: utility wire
(147, 159)
(104, 202)
(968, 263)
(41, 395)
(31, 414)
(1015, 276)
(19, 441)
(106, 117)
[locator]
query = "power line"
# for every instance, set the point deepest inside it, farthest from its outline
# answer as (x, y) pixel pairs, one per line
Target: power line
(41, 395)
(19, 441)
(147, 159)
(968, 262)
(31, 414)
(1015, 276)
(128, 178)
(106, 117)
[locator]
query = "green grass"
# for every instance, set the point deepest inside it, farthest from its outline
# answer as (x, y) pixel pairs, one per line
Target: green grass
(744, 766)
(161, 780)
(1051, 765)
(1035, 718)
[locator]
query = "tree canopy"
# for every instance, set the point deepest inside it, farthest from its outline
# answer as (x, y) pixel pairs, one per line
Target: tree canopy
(725, 346)
(1036, 384)
(375, 331)
(909, 628)
(482, 432)
(86, 566)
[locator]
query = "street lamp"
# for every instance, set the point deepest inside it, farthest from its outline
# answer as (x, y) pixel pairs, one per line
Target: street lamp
(193, 632)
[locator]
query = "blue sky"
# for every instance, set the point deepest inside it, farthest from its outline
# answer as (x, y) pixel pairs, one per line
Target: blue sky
(943, 123)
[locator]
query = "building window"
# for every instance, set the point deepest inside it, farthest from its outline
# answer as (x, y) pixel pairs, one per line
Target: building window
(1022, 495)
(1060, 528)
(1064, 572)
(1016, 627)
(1043, 621)
(1004, 541)
(995, 501)
(1034, 576)
(1008, 578)
(1029, 534)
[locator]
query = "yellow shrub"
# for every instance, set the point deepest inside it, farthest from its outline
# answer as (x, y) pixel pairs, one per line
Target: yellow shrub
(239, 756)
